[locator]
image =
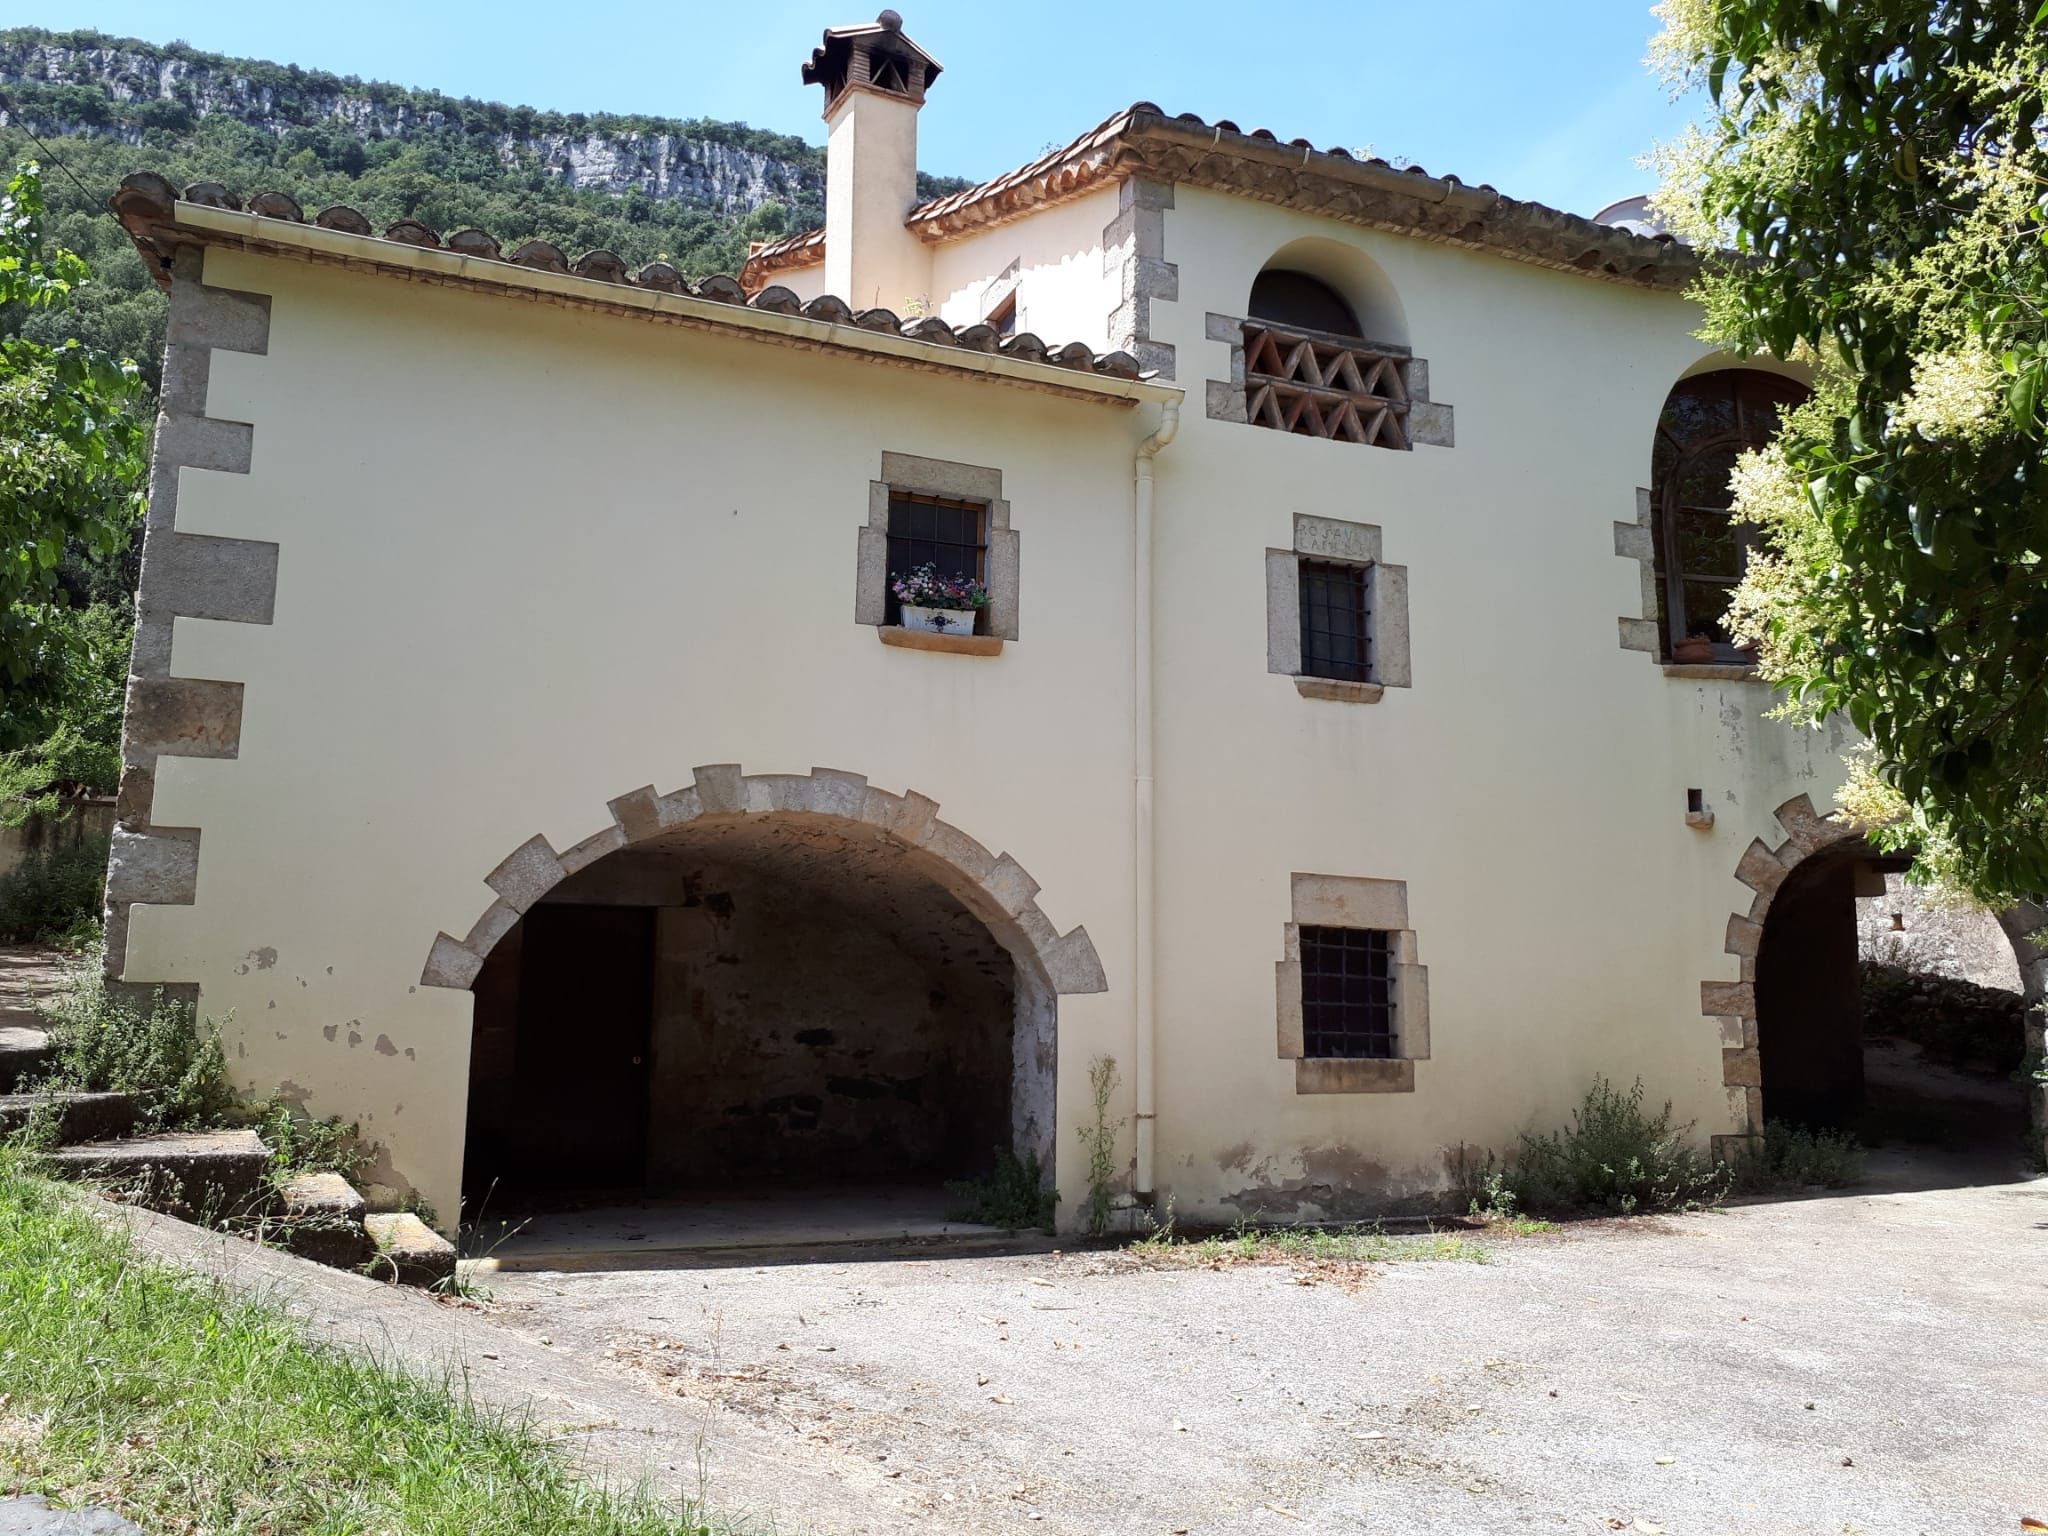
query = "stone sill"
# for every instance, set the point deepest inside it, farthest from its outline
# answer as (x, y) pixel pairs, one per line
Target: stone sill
(925, 640)
(1338, 689)
(1713, 671)
(1353, 1074)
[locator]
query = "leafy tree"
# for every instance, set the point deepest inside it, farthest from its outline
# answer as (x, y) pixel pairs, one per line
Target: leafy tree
(1873, 188)
(71, 450)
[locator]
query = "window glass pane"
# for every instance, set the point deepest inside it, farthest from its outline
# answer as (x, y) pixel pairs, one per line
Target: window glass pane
(933, 530)
(1709, 545)
(1335, 623)
(1347, 992)
(1706, 602)
(1703, 476)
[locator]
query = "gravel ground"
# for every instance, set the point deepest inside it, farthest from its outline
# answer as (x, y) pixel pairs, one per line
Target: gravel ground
(1870, 1363)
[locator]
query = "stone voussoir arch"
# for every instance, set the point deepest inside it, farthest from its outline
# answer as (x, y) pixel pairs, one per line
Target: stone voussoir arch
(994, 887)
(1733, 1003)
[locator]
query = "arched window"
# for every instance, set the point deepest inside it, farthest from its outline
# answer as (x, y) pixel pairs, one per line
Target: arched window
(1700, 550)
(1298, 301)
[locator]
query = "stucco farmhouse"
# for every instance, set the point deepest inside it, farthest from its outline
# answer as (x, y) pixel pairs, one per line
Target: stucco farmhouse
(529, 753)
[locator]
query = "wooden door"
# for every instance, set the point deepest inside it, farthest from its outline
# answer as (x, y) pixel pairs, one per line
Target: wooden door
(585, 1013)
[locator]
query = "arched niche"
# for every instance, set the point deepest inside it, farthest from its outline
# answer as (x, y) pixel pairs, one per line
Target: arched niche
(1351, 276)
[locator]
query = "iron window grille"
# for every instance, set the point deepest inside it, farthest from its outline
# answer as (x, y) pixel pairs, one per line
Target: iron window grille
(1336, 639)
(1347, 992)
(949, 535)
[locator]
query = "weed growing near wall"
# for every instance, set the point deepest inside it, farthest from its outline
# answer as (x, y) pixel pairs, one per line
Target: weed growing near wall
(161, 1052)
(1793, 1157)
(1013, 1196)
(1615, 1156)
(1098, 1137)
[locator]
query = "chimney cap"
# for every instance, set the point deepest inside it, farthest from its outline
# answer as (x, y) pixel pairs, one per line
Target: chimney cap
(876, 55)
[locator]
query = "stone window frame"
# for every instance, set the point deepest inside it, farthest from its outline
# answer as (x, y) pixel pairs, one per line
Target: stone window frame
(907, 473)
(1332, 541)
(1430, 422)
(1351, 901)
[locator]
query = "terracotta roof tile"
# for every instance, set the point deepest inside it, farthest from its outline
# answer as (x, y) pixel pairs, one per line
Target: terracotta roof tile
(1144, 141)
(146, 204)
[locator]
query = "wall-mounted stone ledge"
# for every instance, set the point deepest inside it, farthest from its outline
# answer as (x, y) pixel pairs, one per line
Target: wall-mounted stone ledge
(955, 645)
(1338, 690)
(1330, 1074)
(1713, 672)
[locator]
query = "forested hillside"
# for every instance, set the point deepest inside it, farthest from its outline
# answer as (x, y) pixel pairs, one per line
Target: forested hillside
(690, 192)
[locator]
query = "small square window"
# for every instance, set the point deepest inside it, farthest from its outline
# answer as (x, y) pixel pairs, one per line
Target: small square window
(1347, 992)
(1004, 317)
(1335, 622)
(937, 531)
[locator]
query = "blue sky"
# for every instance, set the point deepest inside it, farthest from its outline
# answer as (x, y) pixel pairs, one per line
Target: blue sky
(1545, 99)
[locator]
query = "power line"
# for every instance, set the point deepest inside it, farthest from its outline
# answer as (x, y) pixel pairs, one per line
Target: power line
(55, 159)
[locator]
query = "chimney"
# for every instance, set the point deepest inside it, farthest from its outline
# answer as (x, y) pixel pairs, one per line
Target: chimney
(874, 79)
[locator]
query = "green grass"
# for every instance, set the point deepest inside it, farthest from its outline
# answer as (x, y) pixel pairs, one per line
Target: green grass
(1309, 1245)
(189, 1408)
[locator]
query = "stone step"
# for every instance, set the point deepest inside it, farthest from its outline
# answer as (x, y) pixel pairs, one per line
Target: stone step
(323, 1220)
(24, 1052)
(81, 1116)
(205, 1175)
(408, 1250)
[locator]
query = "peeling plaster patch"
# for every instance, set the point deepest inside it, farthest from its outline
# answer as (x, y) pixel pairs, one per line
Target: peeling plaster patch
(264, 958)
(1233, 1159)
(384, 1046)
(330, 1031)
(409, 1056)
(272, 1004)
(292, 1093)
(1336, 1183)
(355, 1038)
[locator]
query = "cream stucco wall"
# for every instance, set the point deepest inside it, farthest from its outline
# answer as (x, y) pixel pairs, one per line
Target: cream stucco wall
(1529, 788)
(1063, 293)
(530, 560)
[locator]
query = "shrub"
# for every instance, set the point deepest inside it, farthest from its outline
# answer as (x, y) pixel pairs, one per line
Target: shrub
(1793, 1157)
(163, 1053)
(53, 891)
(1012, 1196)
(1615, 1156)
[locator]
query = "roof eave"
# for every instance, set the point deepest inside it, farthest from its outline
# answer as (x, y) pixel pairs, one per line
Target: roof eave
(199, 224)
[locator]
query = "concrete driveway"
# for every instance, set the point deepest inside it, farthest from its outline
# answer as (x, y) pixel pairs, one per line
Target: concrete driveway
(1875, 1362)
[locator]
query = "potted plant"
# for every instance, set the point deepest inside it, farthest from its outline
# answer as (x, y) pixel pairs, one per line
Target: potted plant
(1696, 649)
(940, 605)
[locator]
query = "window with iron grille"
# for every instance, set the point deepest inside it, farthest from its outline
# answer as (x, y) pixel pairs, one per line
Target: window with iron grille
(1335, 622)
(938, 531)
(1347, 992)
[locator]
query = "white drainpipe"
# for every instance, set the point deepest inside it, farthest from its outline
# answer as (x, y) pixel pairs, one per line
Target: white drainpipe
(1144, 928)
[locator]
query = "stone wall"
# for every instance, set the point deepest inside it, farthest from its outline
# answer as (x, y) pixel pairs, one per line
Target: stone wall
(795, 1039)
(1904, 929)
(80, 819)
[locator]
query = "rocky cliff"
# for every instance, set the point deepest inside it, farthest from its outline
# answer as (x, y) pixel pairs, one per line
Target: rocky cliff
(91, 85)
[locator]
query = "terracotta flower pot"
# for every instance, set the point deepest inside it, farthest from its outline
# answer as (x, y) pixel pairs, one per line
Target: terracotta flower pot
(1693, 650)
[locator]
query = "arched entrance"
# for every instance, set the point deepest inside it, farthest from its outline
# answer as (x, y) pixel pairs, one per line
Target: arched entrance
(771, 981)
(1796, 1044)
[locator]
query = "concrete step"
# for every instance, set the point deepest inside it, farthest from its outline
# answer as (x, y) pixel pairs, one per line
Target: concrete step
(408, 1250)
(199, 1174)
(323, 1221)
(81, 1116)
(24, 1052)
